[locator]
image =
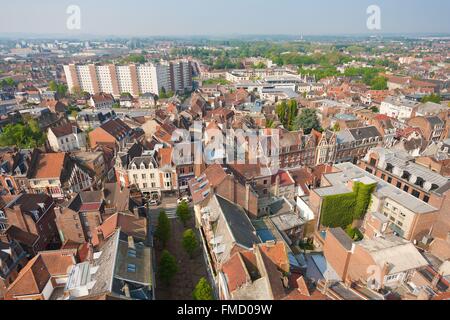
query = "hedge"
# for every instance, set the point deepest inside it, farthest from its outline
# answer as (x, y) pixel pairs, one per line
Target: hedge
(342, 209)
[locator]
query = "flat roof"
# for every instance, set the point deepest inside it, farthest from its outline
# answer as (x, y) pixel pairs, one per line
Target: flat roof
(350, 172)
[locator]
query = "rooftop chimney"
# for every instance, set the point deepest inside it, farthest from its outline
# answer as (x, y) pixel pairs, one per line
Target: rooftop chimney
(303, 287)
(131, 244)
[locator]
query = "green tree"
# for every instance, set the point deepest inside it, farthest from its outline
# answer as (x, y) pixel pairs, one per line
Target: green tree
(432, 98)
(162, 232)
(203, 291)
(287, 111)
(168, 267)
(379, 83)
(184, 213)
(336, 127)
(24, 136)
(7, 82)
(259, 65)
(190, 242)
(59, 88)
(307, 120)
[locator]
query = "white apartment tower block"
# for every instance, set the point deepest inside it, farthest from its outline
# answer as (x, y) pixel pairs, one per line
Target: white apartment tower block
(135, 79)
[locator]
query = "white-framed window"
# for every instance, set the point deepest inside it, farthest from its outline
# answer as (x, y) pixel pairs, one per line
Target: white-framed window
(391, 278)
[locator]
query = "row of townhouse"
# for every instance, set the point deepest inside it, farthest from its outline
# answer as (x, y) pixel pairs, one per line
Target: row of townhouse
(57, 174)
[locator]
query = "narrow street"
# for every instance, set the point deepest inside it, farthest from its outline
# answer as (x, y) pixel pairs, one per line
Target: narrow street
(190, 270)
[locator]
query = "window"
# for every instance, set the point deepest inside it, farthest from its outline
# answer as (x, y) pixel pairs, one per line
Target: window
(389, 168)
(144, 186)
(399, 185)
(416, 193)
(131, 268)
(426, 199)
(383, 176)
(406, 188)
(392, 278)
(132, 253)
(152, 176)
(389, 180)
(420, 182)
(373, 162)
(144, 176)
(406, 175)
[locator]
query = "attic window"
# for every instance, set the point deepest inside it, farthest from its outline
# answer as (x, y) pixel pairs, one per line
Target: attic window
(132, 253)
(97, 255)
(131, 268)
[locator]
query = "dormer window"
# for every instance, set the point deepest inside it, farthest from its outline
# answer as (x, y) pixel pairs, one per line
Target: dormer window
(389, 168)
(420, 182)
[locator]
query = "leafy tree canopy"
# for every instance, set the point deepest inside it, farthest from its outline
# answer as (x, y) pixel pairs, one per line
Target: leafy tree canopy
(190, 242)
(168, 267)
(162, 232)
(203, 291)
(184, 213)
(24, 136)
(307, 120)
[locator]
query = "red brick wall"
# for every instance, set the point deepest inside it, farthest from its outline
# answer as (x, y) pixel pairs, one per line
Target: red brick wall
(336, 255)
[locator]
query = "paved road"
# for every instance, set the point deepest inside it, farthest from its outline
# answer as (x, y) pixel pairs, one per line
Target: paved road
(168, 204)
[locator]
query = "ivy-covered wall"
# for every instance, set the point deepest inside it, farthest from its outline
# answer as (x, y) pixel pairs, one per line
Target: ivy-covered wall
(342, 209)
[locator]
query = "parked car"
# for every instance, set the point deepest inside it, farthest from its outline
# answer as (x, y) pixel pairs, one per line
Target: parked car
(184, 199)
(154, 203)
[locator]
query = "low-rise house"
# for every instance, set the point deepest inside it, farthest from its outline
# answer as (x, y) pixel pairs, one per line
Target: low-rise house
(79, 219)
(226, 230)
(217, 180)
(410, 218)
(55, 106)
(381, 262)
(148, 100)
(347, 145)
(30, 220)
(398, 107)
(43, 278)
(385, 125)
(93, 160)
(58, 175)
(13, 170)
(92, 119)
(113, 132)
(66, 138)
(101, 101)
(12, 260)
(258, 274)
(400, 170)
(432, 127)
(121, 269)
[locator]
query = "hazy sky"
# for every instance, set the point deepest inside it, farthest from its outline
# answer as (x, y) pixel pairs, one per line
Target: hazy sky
(223, 17)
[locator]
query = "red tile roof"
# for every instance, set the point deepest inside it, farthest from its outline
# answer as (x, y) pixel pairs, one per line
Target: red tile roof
(50, 165)
(235, 272)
